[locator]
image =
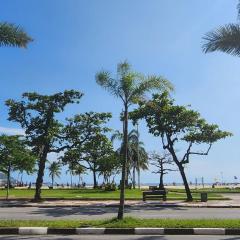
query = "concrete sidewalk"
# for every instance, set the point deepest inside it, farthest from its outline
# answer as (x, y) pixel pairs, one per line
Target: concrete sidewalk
(233, 203)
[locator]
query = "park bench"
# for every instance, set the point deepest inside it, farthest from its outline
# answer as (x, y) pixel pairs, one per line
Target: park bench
(155, 194)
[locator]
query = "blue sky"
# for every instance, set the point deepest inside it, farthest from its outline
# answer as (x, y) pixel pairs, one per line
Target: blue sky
(73, 39)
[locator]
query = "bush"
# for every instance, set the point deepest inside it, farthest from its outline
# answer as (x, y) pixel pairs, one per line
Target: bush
(110, 187)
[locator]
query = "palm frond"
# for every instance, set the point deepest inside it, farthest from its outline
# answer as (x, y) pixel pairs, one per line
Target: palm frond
(149, 84)
(238, 9)
(12, 35)
(104, 80)
(117, 135)
(225, 39)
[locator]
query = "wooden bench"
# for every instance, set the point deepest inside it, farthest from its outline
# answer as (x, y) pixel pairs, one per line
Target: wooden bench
(155, 194)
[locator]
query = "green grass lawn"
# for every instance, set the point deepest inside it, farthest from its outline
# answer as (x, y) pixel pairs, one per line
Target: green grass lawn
(95, 194)
(210, 190)
(126, 223)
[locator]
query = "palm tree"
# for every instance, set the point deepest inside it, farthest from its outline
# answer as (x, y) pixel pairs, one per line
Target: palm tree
(79, 170)
(54, 171)
(137, 156)
(14, 36)
(130, 87)
(71, 169)
(225, 38)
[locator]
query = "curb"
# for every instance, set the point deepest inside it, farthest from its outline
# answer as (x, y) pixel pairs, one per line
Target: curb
(119, 231)
(116, 205)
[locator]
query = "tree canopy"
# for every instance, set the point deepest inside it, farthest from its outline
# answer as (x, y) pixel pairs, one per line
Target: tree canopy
(174, 124)
(13, 35)
(36, 114)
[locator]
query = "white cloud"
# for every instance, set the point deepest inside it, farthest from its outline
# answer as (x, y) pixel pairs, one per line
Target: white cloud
(12, 131)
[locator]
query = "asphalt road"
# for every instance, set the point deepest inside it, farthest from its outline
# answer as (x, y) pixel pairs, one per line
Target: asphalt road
(109, 212)
(121, 237)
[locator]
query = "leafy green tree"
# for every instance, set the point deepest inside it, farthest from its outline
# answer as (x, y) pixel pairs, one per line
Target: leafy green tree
(54, 171)
(96, 149)
(130, 87)
(109, 167)
(37, 115)
(14, 36)
(163, 164)
(87, 133)
(15, 155)
(178, 124)
(225, 39)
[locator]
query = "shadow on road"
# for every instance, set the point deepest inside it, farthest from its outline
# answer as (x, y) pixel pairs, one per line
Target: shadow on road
(94, 211)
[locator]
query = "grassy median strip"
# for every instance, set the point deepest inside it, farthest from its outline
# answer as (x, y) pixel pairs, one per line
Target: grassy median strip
(128, 222)
(98, 194)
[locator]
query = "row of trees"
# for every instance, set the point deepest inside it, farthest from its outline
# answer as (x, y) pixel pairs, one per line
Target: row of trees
(83, 139)
(173, 124)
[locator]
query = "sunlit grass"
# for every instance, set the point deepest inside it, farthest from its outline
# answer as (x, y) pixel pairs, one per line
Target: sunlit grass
(133, 194)
(127, 222)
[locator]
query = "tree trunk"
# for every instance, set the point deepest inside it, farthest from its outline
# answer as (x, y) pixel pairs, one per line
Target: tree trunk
(71, 179)
(52, 180)
(95, 184)
(8, 180)
(79, 179)
(124, 161)
(139, 184)
(161, 185)
(187, 189)
(134, 176)
(41, 168)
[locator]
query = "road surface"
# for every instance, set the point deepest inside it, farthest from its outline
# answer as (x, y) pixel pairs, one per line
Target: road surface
(88, 213)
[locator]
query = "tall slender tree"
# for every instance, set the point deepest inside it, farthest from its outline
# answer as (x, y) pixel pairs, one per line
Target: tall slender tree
(137, 156)
(130, 87)
(79, 170)
(13, 36)
(54, 171)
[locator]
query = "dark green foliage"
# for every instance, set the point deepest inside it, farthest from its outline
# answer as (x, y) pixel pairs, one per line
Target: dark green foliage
(225, 39)
(109, 166)
(174, 124)
(15, 155)
(87, 133)
(37, 115)
(14, 36)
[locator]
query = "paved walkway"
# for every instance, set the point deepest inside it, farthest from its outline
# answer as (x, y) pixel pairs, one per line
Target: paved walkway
(234, 202)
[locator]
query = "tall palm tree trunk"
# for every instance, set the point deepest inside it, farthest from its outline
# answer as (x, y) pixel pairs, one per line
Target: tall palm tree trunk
(8, 180)
(52, 180)
(134, 176)
(124, 161)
